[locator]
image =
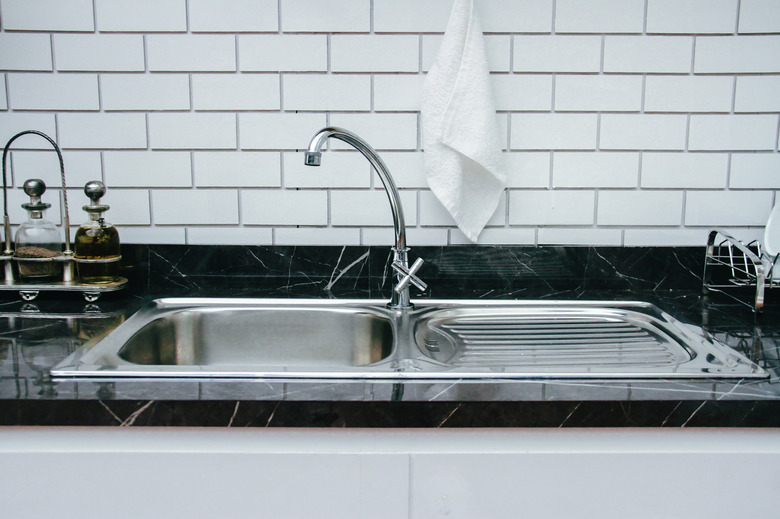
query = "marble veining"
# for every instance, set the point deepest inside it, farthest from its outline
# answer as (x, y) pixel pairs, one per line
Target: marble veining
(35, 337)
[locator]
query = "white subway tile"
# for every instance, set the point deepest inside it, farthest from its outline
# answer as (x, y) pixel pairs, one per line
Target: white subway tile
(515, 15)
(595, 169)
(640, 208)
(99, 52)
(720, 208)
(234, 16)
(20, 51)
(415, 237)
(147, 169)
(759, 16)
(557, 53)
(433, 213)
(528, 169)
(553, 131)
(374, 53)
(12, 123)
(411, 15)
(80, 167)
(3, 96)
(381, 131)
(191, 52)
(757, 94)
(398, 92)
(146, 92)
(737, 54)
(432, 15)
(755, 171)
(642, 132)
(580, 236)
(498, 49)
(688, 93)
(327, 92)
(520, 92)
(692, 16)
(598, 93)
(368, 208)
(551, 207)
(284, 207)
(407, 168)
(326, 16)
(497, 236)
(236, 169)
(128, 207)
(665, 237)
(214, 206)
(278, 131)
(640, 54)
(48, 15)
(141, 15)
(283, 52)
(153, 235)
(685, 170)
(192, 130)
(316, 236)
(229, 236)
(53, 92)
(236, 92)
(599, 16)
(102, 130)
(338, 170)
(733, 132)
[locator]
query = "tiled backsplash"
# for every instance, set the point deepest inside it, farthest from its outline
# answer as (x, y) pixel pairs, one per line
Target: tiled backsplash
(625, 122)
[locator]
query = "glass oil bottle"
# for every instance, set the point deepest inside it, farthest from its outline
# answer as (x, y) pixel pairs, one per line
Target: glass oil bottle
(37, 240)
(96, 247)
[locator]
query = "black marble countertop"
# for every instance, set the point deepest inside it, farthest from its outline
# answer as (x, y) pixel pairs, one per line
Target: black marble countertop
(36, 336)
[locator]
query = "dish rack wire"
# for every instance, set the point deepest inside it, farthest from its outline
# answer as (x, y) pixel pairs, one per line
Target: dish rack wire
(738, 270)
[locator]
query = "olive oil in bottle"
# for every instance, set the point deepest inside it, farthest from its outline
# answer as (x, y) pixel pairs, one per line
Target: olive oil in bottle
(96, 246)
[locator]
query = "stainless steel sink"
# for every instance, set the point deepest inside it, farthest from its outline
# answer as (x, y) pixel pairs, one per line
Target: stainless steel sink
(438, 339)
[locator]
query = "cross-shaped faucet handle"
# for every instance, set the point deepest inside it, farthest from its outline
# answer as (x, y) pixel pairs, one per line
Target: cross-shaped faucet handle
(409, 275)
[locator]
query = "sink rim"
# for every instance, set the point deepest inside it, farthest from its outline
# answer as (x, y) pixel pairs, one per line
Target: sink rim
(406, 360)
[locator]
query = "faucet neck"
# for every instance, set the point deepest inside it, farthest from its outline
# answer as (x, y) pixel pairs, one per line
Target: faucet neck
(313, 155)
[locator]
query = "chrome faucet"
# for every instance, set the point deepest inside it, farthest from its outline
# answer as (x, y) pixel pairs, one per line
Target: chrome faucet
(405, 275)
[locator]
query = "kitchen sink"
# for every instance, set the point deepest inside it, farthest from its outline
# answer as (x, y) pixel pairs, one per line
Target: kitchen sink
(437, 339)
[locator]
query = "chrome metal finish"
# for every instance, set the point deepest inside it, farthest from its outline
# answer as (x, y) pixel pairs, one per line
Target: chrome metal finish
(730, 265)
(438, 339)
(313, 157)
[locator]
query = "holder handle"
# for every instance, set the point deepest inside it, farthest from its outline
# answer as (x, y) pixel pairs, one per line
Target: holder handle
(66, 217)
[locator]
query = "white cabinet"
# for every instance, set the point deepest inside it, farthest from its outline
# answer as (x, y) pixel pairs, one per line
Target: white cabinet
(365, 473)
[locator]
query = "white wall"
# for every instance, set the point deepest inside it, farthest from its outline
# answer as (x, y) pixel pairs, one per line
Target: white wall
(626, 122)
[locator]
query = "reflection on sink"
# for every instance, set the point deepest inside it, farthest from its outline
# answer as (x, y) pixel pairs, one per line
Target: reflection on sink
(363, 339)
(261, 336)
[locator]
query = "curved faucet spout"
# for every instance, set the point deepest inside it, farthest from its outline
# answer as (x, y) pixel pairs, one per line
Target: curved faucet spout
(313, 157)
(404, 275)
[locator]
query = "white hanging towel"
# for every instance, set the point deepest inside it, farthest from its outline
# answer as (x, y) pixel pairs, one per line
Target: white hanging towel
(464, 165)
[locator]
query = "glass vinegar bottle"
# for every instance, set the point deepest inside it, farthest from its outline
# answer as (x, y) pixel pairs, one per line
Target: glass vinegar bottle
(37, 240)
(96, 246)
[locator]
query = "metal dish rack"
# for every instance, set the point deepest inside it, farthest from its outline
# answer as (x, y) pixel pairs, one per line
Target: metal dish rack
(69, 283)
(740, 271)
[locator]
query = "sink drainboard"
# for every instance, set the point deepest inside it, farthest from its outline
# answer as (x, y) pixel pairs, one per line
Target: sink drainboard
(539, 340)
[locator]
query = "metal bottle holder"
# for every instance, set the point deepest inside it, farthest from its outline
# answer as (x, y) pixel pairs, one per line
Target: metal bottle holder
(69, 283)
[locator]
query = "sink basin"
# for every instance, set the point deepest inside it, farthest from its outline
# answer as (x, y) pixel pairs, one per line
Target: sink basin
(438, 339)
(261, 336)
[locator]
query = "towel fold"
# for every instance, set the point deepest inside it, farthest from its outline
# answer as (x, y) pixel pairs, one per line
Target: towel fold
(464, 165)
